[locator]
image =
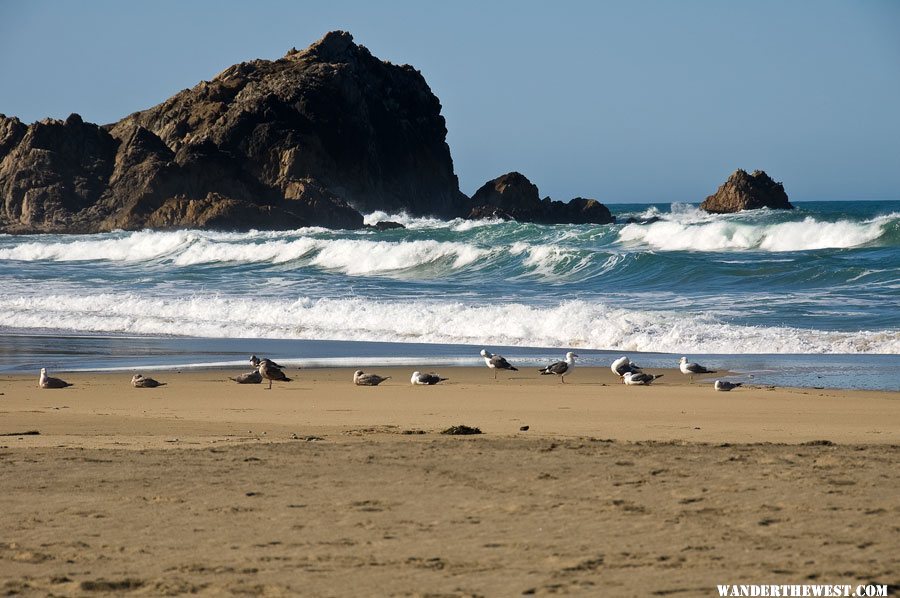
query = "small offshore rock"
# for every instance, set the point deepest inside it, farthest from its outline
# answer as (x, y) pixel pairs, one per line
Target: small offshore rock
(386, 225)
(743, 191)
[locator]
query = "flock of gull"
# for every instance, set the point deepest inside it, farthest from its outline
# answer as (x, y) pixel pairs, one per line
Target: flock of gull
(266, 369)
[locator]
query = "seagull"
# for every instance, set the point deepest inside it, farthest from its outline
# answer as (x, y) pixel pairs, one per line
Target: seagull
(561, 368)
(496, 362)
(639, 378)
(725, 385)
(426, 379)
(693, 368)
(139, 381)
(48, 382)
(270, 372)
(253, 377)
(360, 378)
(255, 361)
(623, 365)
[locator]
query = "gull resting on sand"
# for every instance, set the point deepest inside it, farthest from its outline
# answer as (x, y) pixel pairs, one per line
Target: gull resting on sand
(360, 378)
(639, 378)
(426, 379)
(48, 382)
(139, 381)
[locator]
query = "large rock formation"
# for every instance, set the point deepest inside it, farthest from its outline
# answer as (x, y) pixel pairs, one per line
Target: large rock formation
(311, 138)
(744, 191)
(513, 196)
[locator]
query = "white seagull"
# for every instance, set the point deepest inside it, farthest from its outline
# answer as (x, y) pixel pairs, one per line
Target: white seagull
(48, 382)
(426, 379)
(693, 368)
(725, 385)
(623, 365)
(561, 368)
(496, 362)
(639, 378)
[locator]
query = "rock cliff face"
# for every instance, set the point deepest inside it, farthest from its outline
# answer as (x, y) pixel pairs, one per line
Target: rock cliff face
(512, 196)
(311, 138)
(744, 191)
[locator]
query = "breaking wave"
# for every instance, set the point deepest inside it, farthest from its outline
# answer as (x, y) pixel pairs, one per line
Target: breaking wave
(712, 233)
(352, 256)
(818, 279)
(572, 324)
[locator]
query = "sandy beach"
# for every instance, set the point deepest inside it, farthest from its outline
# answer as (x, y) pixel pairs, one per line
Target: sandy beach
(321, 488)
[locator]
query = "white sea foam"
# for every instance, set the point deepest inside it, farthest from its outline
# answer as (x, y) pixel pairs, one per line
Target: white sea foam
(724, 234)
(353, 256)
(416, 223)
(572, 324)
(356, 257)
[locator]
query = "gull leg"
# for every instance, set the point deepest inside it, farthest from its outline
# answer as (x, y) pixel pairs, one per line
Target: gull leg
(270, 384)
(495, 373)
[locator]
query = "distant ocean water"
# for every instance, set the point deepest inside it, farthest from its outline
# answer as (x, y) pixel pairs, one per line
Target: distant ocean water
(823, 278)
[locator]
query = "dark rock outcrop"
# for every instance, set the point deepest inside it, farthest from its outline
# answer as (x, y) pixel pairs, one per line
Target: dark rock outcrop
(384, 225)
(55, 170)
(744, 191)
(310, 138)
(513, 197)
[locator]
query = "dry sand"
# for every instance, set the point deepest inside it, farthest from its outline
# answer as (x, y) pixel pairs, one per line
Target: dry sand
(321, 488)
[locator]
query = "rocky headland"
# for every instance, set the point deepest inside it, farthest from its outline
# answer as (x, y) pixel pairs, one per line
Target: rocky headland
(317, 137)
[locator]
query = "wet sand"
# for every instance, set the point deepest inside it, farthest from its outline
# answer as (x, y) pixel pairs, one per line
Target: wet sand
(325, 489)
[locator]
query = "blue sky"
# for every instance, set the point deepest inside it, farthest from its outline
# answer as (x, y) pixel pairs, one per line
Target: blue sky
(626, 101)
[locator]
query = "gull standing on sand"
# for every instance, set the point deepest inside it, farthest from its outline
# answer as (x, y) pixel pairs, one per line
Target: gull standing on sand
(561, 368)
(139, 381)
(426, 379)
(725, 385)
(360, 378)
(271, 372)
(256, 361)
(496, 362)
(623, 365)
(639, 378)
(48, 382)
(693, 368)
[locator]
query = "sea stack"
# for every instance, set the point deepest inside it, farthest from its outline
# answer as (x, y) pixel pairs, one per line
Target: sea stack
(513, 197)
(743, 191)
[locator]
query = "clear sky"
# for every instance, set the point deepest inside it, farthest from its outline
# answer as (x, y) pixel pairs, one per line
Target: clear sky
(627, 101)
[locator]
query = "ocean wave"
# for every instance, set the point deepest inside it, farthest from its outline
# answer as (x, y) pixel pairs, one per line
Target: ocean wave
(424, 222)
(720, 234)
(353, 256)
(347, 253)
(574, 323)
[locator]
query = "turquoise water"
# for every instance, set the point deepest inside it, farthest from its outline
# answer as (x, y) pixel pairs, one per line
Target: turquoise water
(824, 278)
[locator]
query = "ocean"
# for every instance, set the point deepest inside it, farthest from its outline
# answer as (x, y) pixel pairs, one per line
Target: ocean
(823, 279)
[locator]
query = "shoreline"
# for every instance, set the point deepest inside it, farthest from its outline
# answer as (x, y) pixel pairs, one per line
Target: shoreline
(199, 408)
(27, 353)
